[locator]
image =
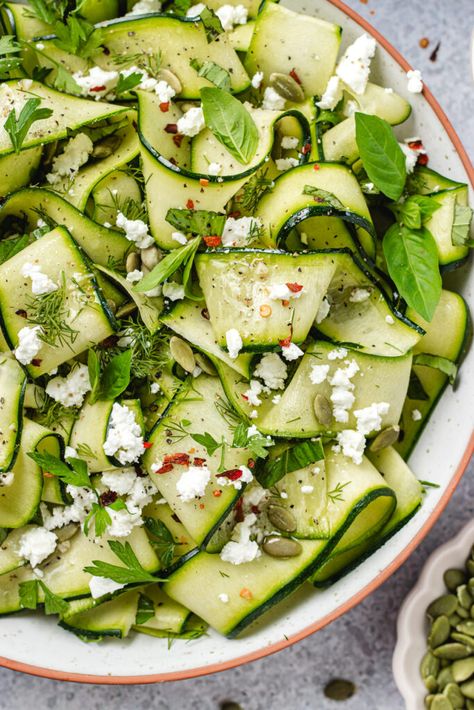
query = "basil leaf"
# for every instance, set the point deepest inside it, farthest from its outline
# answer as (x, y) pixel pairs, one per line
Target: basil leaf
(208, 441)
(460, 233)
(323, 197)
(28, 592)
(448, 367)
(415, 388)
(412, 262)
(199, 222)
(168, 266)
(145, 610)
(211, 23)
(116, 376)
(416, 210)
(212, 72)
(381, 156)
(230, 122)
(10, 247)
(93, 366)
(292, 459)
(17, 128)
(52, 603)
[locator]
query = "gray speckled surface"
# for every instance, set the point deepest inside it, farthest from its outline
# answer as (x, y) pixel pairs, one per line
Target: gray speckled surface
(359, 646)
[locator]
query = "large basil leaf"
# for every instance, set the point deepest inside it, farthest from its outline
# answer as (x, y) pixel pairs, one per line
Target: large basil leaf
(230, 122)
(381, 156)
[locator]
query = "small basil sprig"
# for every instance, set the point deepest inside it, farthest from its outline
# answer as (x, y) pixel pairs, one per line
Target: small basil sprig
(115, 378)
(211, 23)
(460, 233)
(415, 211)
(230, 122)
(323, 196)
(382, 157)
(212, 72)
(412, 262)
(292, 459)
(169, 265)
(200, 222)
(17, 128)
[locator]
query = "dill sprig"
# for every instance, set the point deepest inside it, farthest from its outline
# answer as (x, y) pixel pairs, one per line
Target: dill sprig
(231, 417)
(336, 493)
(54, 415)
(130, 208)
(147, 61)
(254, 189)
(49, 311)
(150, 354)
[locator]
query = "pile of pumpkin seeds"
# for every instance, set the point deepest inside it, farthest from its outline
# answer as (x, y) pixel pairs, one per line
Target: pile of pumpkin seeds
(447, 667)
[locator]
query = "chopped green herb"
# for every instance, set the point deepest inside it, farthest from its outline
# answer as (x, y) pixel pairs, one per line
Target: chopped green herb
(18, 127)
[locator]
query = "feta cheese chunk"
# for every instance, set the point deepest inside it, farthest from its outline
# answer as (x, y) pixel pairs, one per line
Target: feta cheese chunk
(283, 164)
(29, 344)
(291, 351)
(352, 444)
(354, 67)
(416, 415)
(369, 419)
(70, 390)
(173, 290)
(337, 354)
(214, 169)
(234, 343)
(318, 374)
(323, 310)
(281, 292)
(195, 10)
(124, 436)
(257, 79)
(97, 82)
(332, 94)
(193, 482)
(289, 142)
(103, 585)
(273, 371)
(40, 283)
(36, 545)
(241, 548)
(237, 232)
(232, 15)
(62, 515)
(119, 481)
(252, 394)
(342, 395)
(179, 237)
(359, 295)
(136, 230)
(411, 157)
(75, 154)
(414, 81)
(224, 598)
(272, 100)
(192, 122)
(143, 7)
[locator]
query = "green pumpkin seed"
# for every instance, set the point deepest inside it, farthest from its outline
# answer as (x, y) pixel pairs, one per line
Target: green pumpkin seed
(277, 546)
(429, 665)
(281, 518)
(323, 410)
(463, 612)
(453, 578)
(431, 684)
(287, 87)
(469, 704)
(454, 695)
(470, 586)
(440, 630)
(472, 612)
(150, 256)
(133, 262)
(445, 676)
(467, 689)
(182, 353)
(126, 310)
(463, 638)
(452, 651)
(205, 364)
(171, 79)
(387, 437)
(454, 619)
(462, 669)
(112, 305)
(106, 147)
(464, 597)
(470, 567)
(441, 702)
(446, 604)
(339, 689)
(428, 700)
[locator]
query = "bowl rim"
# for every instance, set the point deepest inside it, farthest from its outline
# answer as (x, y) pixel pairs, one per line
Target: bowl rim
(381, 577)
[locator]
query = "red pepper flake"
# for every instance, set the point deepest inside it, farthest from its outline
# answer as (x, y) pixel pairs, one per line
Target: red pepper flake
(201, 506)
(212, 241)
(422, 159)
(235, 214)
(190, 204)
(165, 107)
(173, 161)
(22, 313)
(204, 182)
(294, 287)
(166, 468)
(171, 128)
(198, 462)
(415, 145)
(246, 594)
(179, 459)
(285, 343)
(108, 497)
(306, 148)
(295, 76)
(238, 511)
(285, 303)
(232, 474)
(315, 166)
(147, 444)
(36, 361)
(251, 463)
(244, 396)
(255, 509)
(48, 475)
(217, 493)
(96, 89)
(178, 139)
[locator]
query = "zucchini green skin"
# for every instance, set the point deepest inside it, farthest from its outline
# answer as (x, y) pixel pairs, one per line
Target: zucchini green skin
(12, 387)
(112, 618)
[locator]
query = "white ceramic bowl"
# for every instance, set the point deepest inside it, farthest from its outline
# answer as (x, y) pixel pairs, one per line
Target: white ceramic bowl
(411, 625)
(33, 644)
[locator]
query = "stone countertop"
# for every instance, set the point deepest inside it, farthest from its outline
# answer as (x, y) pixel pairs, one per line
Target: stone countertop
(358, 646)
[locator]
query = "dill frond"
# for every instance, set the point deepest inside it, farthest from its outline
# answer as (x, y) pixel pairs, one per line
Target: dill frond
(254, 190)
(50, 312)
(54, 415)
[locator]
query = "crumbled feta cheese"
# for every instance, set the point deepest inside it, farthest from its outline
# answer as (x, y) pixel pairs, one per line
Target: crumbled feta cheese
(29, 344)
(144, 7)
(70, 390)
(124, 436)
(164, 91)
(231, 15)
(191, 123)
(276, 399)
(36, 545)
(136, 230)
(134, 276)
(257, 79)
(75, 154)
(281, 292)
(354, 67)
(70, 453)
(6, 479)
(272, 100)
(359, 295)
(352, 444)
(246, 477)
(122, 522)
(179, 237)
(389, 320)
(342, 395)
(323, 310)
(289, 142)
(224, 598)
(97, 82)
(272, 370)
(350, 108)
(195, 10)
(332, 94)
(291, 351)
(307, 489)
(253, 414)
(234, 342)
(103, 585)
(214, 169)
(252, 431)
(40, 283)
(140, 495)
(192, 483)
(414, 83)
(119, 481)
(416, 415)
(241, 548)
(283, 164)
(252, 395)
(318, 374)
(173, 290)
(369, 419)
(337, 354)
(155, 388)
(411, 157)
(61, 515)
(237, 232)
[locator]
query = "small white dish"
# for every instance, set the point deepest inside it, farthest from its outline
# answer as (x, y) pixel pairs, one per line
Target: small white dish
(411, 625)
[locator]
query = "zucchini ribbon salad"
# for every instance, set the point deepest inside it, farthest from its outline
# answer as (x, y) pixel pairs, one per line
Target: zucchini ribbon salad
(223, 322)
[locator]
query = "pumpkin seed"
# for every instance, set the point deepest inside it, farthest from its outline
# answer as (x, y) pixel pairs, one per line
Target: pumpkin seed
(281, 518)
(454, 695)
(467, 689)
(205, 364)
(440, 702)
(276, 546)
(445, 676)
(462, 669)
(428, 701)
(452, 651)
(66, 532)
(106, 147)
(470, 586)
(387, 437)
(454, 619)
(171, 79)
(431, 684)
(447, 604)
(339, 689)
(469, 704)
(182, 353)
(470, 567)
(429, 665)
(464, 597)
(323, 410)
(112, 305)
(453, 578)
(472, 612)
(463, 638)
(439, 633)
(466, 627)
(150, 257)
(133, 262)
(463, 612)
(126, 309)
(287, 87)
